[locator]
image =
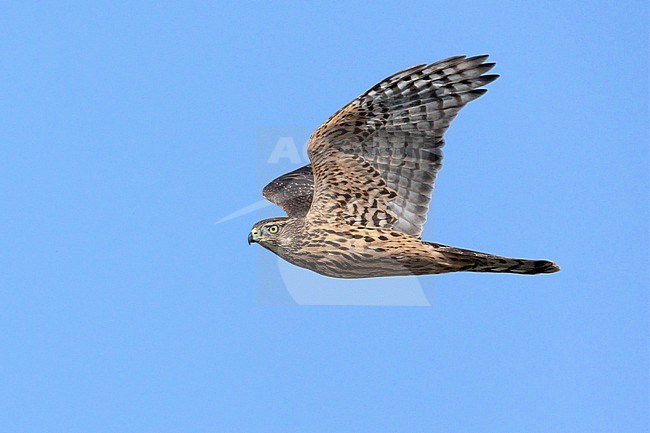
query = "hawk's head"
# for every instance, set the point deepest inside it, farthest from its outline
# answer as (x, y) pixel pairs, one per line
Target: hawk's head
(272, 233)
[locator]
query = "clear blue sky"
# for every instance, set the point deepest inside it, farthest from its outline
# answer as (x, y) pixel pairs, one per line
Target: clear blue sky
(129, 128)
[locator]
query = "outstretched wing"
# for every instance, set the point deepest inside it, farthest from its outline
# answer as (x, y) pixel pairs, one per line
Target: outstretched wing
(375, 161)
(292, 191)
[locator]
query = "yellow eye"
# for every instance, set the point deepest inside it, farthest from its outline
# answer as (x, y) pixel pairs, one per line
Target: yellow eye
(273, 229)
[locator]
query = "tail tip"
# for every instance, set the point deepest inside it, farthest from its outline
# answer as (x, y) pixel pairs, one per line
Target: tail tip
(546, 267)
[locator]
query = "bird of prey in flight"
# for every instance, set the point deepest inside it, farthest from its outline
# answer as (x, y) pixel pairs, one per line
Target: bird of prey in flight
(359, 208)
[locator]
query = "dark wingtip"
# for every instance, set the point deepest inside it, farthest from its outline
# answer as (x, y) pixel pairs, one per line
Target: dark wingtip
(480, 57)
(489, 78)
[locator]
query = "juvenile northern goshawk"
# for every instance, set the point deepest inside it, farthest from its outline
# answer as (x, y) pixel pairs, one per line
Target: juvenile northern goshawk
(359, 208)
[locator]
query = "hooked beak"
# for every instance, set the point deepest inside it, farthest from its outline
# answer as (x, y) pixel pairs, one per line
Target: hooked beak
(252, 236)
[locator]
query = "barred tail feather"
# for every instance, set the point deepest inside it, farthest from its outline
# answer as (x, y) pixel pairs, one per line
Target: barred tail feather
(516, 266)
(474, 261)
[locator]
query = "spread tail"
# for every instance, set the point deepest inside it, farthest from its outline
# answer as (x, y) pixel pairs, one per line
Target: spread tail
(473, 261)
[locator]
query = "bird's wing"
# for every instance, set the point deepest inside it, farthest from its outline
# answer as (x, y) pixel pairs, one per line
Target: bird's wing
(292, 191)
(375, 160)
